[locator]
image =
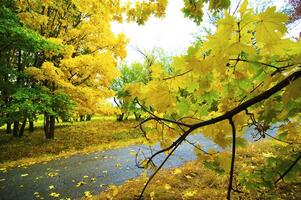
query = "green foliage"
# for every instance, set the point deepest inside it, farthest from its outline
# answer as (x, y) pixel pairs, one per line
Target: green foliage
(15, 35)
(194, 8)
(31, 102)
(137, 73)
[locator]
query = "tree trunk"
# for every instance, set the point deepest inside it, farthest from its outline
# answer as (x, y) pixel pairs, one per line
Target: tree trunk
(31, 126)
(21, 132)
(137, 116)
(120, 117)
(88, 117)
(16, 128)
(51, 127)
(81, 118)
(8, 128)
(46, 125)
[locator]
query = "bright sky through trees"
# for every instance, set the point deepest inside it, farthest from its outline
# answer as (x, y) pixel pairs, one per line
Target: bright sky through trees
(174, 33)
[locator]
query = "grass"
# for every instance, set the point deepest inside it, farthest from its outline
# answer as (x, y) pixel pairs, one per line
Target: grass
(194, 181)
(78, 137)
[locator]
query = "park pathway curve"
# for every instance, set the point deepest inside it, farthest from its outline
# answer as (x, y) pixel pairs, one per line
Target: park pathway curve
(70, 178)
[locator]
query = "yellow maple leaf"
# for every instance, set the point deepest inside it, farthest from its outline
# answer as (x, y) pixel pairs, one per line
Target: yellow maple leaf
(23, 175)
(167, 186)
(189, 193)
(243, 7)
(80, 183)
(88, 194)
(54, 194)
(177, 171)
(270, 26)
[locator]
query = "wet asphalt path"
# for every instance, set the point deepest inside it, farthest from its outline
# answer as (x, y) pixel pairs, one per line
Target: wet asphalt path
(72, 177)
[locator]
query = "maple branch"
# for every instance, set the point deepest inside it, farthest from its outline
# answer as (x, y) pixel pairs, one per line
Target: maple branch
(175, 143)
(278, 69)
(117, 104)
(278, 139)
(255, 88)
(193, 144)
(178, 75)
(197, 147)
(149, 60)
(268, 93)
(162, 119)
(82, 81)
(227, 116)
(161, 165)
(236, 8)
(232, 159)
(288, 169)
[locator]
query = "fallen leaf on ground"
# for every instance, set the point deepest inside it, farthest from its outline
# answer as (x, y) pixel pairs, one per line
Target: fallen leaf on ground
(177, 171)
(190, 193)
(167, 187)
(54, 194)
(80, 183)
(52, 174)
(188, 177)
(24, 175)
(88, 194)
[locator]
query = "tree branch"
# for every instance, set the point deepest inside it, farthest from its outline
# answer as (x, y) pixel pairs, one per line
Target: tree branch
(161, 165)
(178, 75)
(282, 84)
(261, 63)
(227, 116)
(233, 158)
(162, 119)
(288, 169)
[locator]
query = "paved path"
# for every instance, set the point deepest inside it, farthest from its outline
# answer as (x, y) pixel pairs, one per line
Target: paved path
(71, 177)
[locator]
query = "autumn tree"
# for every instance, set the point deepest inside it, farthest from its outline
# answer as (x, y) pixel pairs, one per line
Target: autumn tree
(73, 70)
(136, 73)
(86, 65)
(18, 44)
(246, 74)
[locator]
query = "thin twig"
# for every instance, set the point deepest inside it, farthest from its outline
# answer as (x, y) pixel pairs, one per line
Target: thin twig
(161, 165)
(288, 169)
(278, 139)
(233, 158)
(178, 75)
(162, 119)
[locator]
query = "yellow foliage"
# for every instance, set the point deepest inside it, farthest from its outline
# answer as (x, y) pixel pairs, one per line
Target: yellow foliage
(90, 49)
(270, 26)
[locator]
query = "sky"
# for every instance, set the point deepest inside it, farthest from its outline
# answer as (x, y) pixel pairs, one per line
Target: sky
(174, 33)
